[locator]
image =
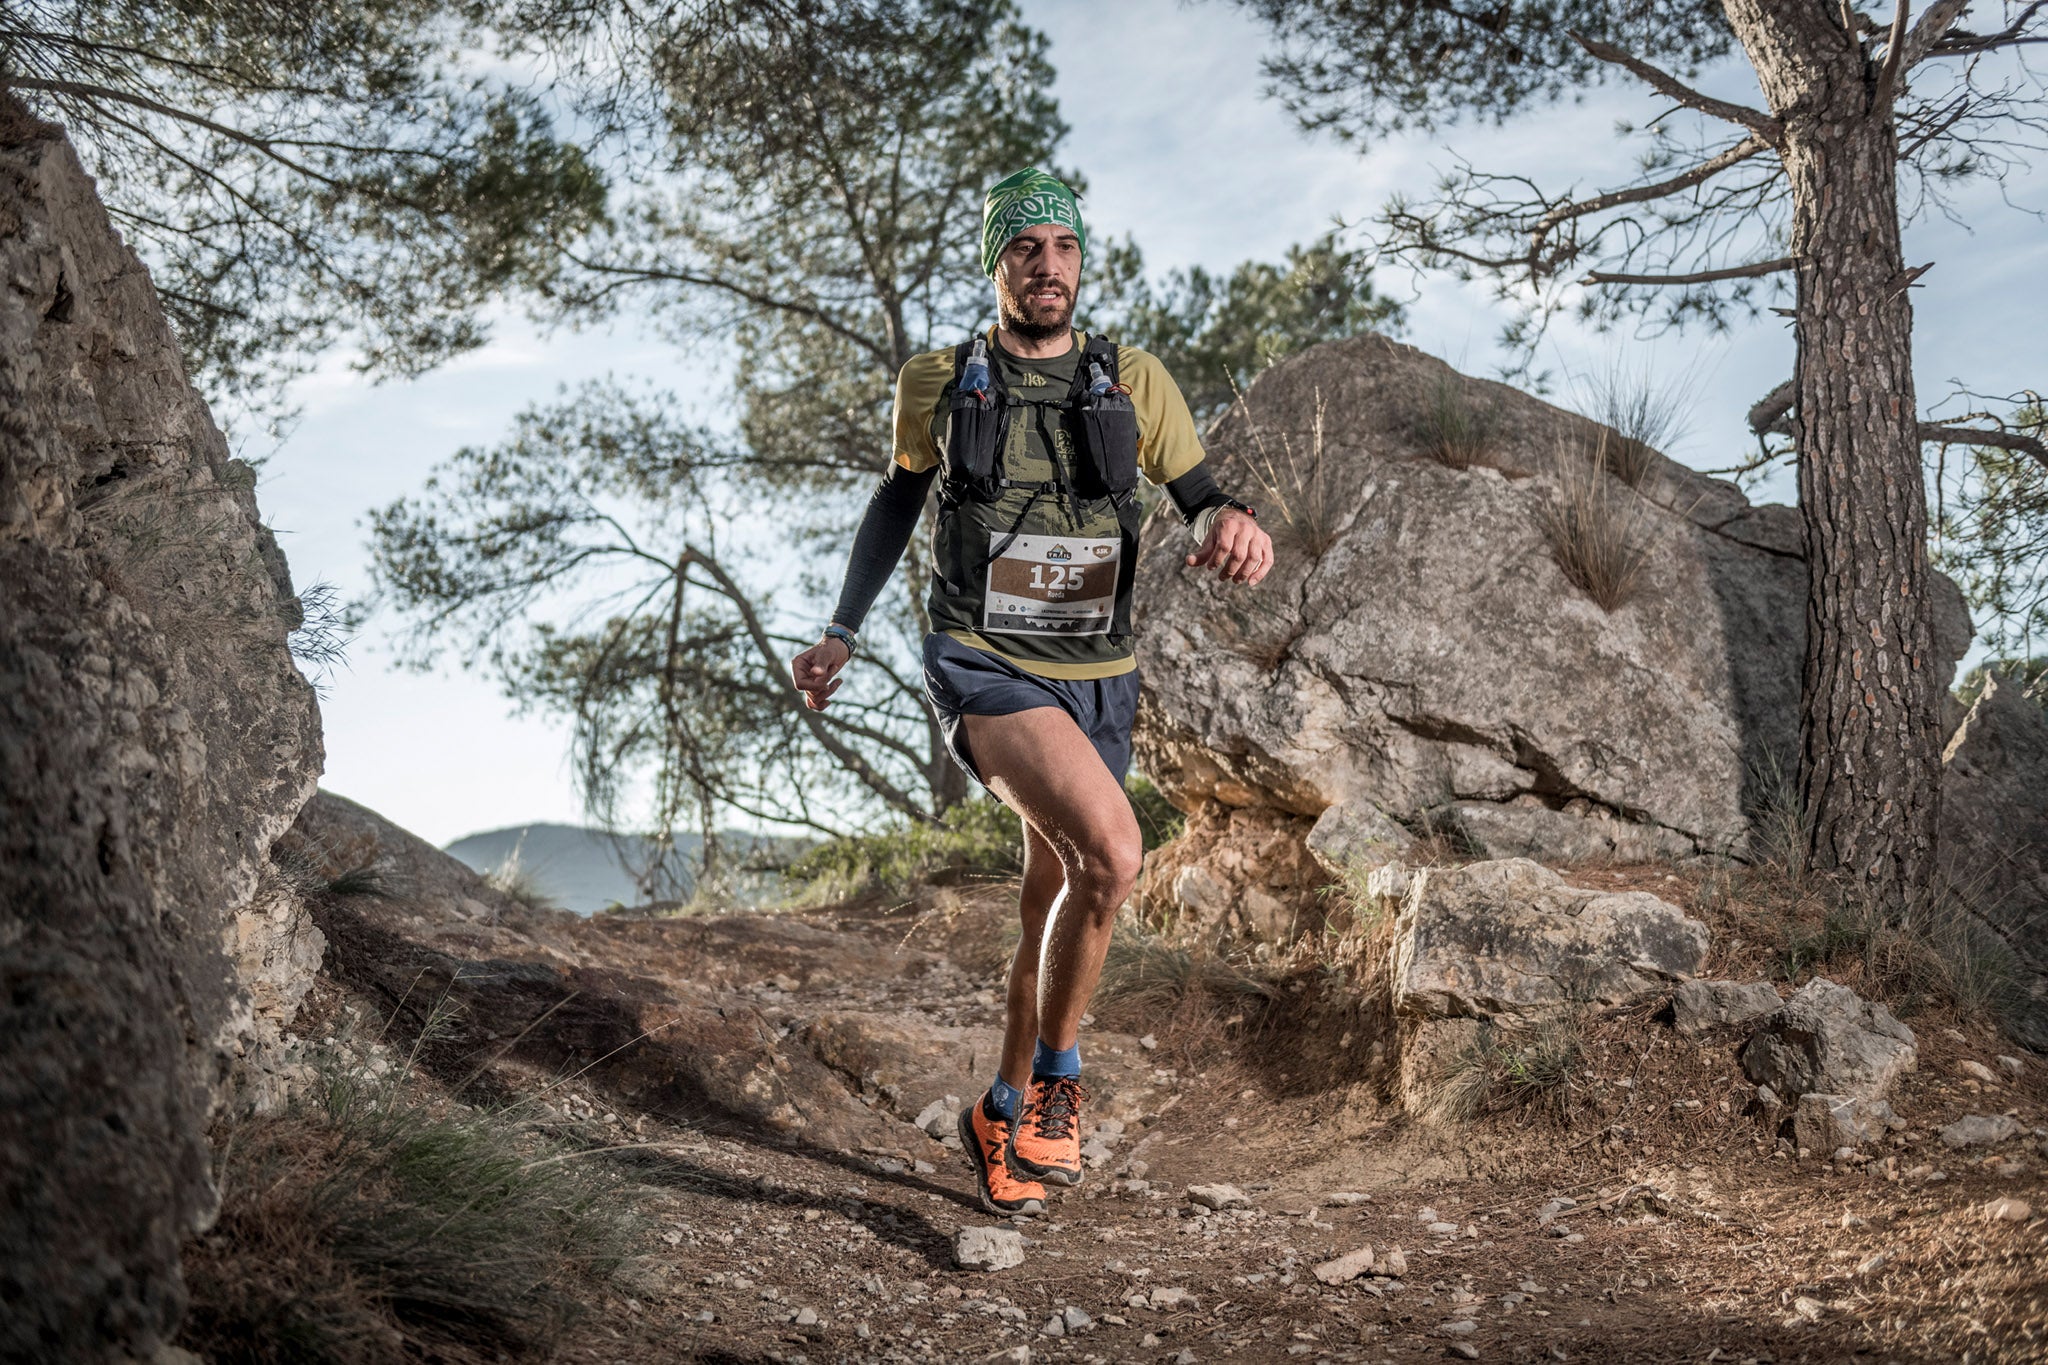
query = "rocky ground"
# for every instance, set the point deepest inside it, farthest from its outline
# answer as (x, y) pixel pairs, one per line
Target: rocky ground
(796, 1211)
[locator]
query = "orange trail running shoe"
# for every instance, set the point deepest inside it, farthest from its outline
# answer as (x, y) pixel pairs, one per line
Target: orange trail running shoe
(987, 1142)
(1047, 1143)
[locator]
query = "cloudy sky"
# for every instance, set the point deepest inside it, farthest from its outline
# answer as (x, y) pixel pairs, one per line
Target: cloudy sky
(1182, 151)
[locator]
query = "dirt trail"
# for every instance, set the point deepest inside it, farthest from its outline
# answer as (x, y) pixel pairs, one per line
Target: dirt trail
(1692, 1238)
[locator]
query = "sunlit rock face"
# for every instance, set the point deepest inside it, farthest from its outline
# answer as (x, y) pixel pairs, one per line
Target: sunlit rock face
(156, 739)
(1419, 649)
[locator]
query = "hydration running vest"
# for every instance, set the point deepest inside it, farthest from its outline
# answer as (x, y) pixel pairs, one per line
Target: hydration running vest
(980, 410)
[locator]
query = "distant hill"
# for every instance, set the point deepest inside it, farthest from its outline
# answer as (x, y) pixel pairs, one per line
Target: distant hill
(577, 868)
(580, 868)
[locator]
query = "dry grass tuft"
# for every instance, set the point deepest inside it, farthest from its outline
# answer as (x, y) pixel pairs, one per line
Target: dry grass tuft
(1457, 432)
(1297, 482)
(1644, 416)
(1543, 1067)
(361, 1225)
(511, 880)
(1598, 528)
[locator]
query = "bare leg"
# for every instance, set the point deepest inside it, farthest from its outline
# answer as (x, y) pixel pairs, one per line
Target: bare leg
(1044, 768)
(1044, 879)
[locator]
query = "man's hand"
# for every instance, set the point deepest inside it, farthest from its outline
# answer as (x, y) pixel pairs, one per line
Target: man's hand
(816, 671)
(1241, 552)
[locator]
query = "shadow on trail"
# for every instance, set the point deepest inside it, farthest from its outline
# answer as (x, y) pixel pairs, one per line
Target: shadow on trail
(452, 1015)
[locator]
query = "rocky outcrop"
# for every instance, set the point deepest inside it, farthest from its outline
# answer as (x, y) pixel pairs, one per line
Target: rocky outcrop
(1698, 1007)
(1828, 1040)
(156, 739)
(1418, 649)
(1994, 835)
(1511, 941)
(1245, 876)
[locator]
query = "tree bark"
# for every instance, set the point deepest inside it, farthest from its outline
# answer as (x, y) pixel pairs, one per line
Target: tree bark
(1870, 755)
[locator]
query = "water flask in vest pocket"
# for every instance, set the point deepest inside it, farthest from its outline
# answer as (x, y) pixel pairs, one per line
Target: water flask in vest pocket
(974, 427)
(1109, 435)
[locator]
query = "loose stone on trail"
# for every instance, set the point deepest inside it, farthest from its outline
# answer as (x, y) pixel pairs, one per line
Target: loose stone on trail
(989, 1249)
(1345, 1268)
(1218, 1197)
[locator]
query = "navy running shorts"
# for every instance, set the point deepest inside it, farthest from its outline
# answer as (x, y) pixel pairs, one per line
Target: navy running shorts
(963, 681)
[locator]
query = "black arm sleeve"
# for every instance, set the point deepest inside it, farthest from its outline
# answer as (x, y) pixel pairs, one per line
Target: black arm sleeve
(1195, 492)
(885, 529)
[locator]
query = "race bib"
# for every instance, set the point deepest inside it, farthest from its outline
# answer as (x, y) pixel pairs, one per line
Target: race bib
(1051, 585)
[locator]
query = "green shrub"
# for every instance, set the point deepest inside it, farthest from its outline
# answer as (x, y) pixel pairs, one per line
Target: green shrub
(1158, 820)
(977, 840)
(362, 1225)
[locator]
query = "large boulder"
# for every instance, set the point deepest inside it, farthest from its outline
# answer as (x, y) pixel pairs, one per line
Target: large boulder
(1418, 650)
(155, 738)
(1510, 940)
(1828, 1040)
(1994, 834)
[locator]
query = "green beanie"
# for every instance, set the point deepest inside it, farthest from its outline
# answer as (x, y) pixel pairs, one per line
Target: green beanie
(1023, 200)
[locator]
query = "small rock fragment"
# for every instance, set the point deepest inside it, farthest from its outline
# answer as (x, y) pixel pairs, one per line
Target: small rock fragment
(2011, 1066)
(2008, 1211)
(1979, 1130)
(1055, 1326)
(1345, 1199)
(1218, 1197)
(806, 1317)
(937, 1117)
(1077, 1319)
(1163, 1297)
(1345, 1268)
(1978, 1070)
(1873, 1263)
(1395, 1263)
(1148, 1042)
(991, 1249)
(1462, 1327)
(1464, 1350)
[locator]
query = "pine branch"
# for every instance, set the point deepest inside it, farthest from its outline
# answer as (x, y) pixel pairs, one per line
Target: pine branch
(1664, 83)
(1732, 272)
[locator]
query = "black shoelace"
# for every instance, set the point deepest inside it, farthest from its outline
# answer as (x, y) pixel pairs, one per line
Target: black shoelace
(1054, 1114)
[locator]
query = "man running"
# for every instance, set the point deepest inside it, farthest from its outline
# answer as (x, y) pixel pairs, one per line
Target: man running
(1035, 435)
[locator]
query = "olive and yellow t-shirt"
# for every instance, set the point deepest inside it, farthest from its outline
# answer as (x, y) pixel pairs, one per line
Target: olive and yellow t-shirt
(1041, 578)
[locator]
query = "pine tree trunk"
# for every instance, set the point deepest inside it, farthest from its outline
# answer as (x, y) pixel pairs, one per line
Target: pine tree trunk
(1870, 757)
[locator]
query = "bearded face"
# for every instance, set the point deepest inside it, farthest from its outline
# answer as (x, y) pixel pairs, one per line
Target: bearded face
(1036, 278)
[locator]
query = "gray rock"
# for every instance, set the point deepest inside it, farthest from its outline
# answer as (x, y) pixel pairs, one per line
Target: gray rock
(155, 739)
(1218, 1197)
(1822, 1123)
(1471, 671)
(1077, 1319)
(1982, 1130)
(1828, 1039)
(983, 1248)
(1346, 1268)
(1698, 1006)
(1526, 828)
(1511, 938)
(1994, 833)
(1356, 834)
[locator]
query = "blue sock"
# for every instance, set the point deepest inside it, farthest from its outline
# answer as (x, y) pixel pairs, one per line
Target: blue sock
(1003, 1097)
(1046, 1061)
